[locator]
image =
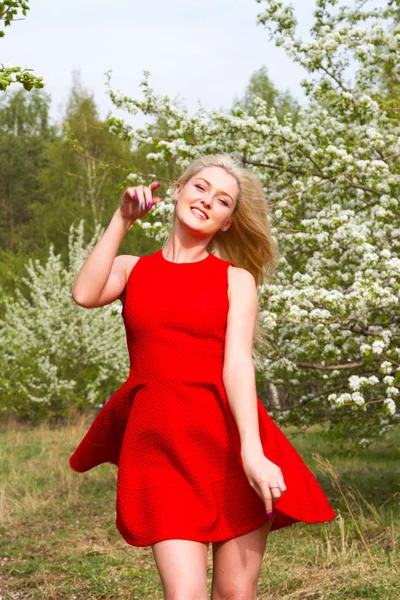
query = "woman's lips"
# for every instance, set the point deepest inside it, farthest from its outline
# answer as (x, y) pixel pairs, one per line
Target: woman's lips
(199, 214)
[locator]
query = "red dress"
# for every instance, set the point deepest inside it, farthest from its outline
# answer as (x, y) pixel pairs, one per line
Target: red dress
(169, 428)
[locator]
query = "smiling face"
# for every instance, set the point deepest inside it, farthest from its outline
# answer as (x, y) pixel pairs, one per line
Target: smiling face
(207, 200)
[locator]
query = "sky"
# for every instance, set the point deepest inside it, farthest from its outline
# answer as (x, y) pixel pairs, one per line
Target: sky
(202, 52)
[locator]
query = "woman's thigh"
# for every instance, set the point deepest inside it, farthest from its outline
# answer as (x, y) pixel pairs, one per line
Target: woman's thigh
(237, 565)
(182, 566)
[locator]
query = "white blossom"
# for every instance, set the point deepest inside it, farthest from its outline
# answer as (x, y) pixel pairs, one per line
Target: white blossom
(390, 405)
(49, 343)
(331, 311)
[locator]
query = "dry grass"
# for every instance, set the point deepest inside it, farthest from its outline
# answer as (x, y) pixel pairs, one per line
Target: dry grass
(59, 540)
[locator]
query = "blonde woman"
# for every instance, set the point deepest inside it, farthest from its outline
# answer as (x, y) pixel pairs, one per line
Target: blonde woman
(199, 459)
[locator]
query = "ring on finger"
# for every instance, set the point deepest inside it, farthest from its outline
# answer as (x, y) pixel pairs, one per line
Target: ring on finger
(275, 487)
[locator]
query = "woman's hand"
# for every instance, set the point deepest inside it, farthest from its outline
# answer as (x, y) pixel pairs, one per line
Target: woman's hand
(137, 201)
(263, 475)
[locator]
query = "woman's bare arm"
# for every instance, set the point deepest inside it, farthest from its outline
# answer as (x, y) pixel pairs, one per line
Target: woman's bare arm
(238, 370)
(102, 277)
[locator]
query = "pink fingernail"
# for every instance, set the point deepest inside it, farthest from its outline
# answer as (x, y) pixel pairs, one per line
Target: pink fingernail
(134, 196)
(150, 204)
(269, 515)
(158, 184)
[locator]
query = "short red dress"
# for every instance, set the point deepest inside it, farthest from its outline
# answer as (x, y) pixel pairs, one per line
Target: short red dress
(169, 428)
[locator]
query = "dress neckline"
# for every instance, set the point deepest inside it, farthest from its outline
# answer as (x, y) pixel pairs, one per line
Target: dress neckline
(171, 262)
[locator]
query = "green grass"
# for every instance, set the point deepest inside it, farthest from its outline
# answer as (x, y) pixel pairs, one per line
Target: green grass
(58, 537)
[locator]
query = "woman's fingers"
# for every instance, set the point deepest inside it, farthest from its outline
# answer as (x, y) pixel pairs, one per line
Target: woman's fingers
(265, 477)
(281, 482)
(139, 199)
(130, 191)
(140, 196)
(266, 497)
(270, 492)
(128, 202)
(148, 193)
(152, 188)
(145, 195)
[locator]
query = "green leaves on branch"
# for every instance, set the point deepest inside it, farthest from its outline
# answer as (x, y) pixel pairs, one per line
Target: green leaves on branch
(23, 76)
(9, 74)
(9, 10)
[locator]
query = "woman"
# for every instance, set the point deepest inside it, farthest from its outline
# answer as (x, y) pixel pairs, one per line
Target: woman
(199, 459)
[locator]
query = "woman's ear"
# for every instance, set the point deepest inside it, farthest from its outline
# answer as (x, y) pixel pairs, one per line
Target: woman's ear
(176, 192)
(227, 225)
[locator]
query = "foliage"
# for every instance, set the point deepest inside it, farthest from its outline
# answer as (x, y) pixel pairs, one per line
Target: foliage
(57, 354)
(332, 179)
(261, 86)
(9, 74)
(46, 182)
(25, 137)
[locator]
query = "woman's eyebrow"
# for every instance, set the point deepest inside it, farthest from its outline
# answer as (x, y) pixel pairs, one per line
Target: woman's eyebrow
(218, 191)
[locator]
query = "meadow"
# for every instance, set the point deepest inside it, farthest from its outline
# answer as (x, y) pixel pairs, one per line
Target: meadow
(58, 537)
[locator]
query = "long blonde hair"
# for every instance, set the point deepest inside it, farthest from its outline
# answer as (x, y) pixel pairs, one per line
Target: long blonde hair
(248, 242)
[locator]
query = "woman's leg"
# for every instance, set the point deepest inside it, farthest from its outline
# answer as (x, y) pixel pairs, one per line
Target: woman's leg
(237, 565)
(182, 566)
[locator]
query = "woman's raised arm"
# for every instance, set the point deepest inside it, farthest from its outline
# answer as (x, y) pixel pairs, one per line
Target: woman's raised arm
(102, 277)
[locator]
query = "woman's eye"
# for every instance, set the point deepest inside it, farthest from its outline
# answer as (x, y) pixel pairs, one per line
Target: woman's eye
(202, 189)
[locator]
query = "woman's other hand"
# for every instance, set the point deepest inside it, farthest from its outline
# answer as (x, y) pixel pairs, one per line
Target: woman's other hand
(265, 477)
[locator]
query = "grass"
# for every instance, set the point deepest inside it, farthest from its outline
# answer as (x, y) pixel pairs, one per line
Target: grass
(58, 537)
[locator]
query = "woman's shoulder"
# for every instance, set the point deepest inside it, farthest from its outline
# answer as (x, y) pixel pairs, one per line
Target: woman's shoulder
(127, 262)
(131, 259)
(241, 280)
(242, 276)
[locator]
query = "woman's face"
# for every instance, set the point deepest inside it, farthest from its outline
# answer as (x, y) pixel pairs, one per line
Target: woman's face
(207, 201)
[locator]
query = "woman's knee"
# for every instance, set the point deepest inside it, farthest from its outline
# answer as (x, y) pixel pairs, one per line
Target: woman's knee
(237, 565)
(183, 593)
(235, 592)
(185, 590)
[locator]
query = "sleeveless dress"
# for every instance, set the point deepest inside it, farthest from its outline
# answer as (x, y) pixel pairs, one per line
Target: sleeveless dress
(169, 428)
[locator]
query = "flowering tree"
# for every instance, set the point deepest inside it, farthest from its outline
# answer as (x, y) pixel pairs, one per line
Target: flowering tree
(56, 354)
(331, 316)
